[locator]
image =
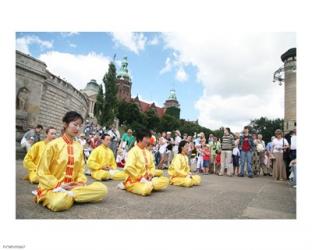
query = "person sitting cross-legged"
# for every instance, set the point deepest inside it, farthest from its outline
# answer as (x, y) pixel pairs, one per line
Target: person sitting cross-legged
(140, 168)
(61, 171)
(102, 162)
(33, 156)
(179, 170)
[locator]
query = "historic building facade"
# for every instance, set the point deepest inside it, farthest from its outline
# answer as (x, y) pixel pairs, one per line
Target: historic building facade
(124, 84)
(90, 92)
(42, 97)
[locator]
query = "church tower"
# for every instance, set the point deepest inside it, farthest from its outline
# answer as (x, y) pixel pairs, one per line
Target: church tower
(172, 100)
(172, 105)
(124, 82)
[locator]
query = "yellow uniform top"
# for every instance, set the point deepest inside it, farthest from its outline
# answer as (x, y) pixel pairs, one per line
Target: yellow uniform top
(139, 163)
(179, 166)
(52, 167)
(101, 156)
(33, 156)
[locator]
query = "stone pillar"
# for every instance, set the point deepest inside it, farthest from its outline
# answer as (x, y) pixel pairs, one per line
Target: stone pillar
(290, 93)
(90, 107)
(93, 104)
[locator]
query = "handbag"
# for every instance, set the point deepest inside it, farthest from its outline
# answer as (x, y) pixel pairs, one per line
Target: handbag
(285, 152)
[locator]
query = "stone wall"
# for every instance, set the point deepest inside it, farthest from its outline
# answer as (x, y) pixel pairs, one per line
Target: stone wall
(57, 98)
(41, 97)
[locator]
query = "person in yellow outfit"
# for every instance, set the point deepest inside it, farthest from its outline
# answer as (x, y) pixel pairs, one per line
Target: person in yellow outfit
(102, 162)
(61, 171)
(140, 168)
(33, 156)
(179, 170)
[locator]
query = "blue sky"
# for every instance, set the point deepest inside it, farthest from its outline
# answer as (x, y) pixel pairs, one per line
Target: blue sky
(221, 79)
(145, 66)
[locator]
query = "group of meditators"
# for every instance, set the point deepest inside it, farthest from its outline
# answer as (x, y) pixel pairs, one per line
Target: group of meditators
(58, 166)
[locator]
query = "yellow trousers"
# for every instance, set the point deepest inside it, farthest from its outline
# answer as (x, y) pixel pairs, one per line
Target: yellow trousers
(61, 201)
(158, 173)
(186, 181)
(32, 177)
(103, 175)
(140, 188)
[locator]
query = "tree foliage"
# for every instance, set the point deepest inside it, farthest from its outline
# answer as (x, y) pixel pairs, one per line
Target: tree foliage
(99, 106)
(266, 127)
(173, 111)
(110, 99)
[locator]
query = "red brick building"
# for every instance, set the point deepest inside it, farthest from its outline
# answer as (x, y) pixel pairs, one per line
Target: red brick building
(124, 84)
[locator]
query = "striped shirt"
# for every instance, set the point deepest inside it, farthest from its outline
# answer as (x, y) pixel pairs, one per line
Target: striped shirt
(228, 142)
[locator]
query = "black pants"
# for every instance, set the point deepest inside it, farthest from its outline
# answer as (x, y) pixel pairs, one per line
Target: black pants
(287, 161)
(293, 154)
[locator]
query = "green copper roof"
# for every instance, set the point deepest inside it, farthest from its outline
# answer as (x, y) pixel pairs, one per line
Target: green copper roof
(123, 71)
(172, 95)
(92, 85)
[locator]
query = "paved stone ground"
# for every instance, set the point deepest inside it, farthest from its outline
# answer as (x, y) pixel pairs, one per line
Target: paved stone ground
(217, 198)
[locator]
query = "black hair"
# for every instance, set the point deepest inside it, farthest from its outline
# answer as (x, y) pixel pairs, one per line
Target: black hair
(72, 116)
(246, 127)
(181, 145)
(228, 129)
(104, 135)
(141, 133)
(48, 129)
(39, 126)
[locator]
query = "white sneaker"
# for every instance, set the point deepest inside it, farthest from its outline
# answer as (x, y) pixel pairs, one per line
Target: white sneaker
(121, 186)
(34, 192)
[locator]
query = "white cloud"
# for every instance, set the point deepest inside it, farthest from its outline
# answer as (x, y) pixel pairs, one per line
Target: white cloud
(133, 41)
(154, 41)
(167, 67)
(68, 34)
(181, 75)
(77, 69)
(72, 45)
(236, 71)
(236, 111)
(174, 62)
(23, 43)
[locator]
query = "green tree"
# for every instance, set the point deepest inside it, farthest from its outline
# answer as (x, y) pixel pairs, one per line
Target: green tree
(128, 113)
(110, 99)
(168, 123)
(99, 106)
(266, 127)
(152, 120)
(173, 111)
